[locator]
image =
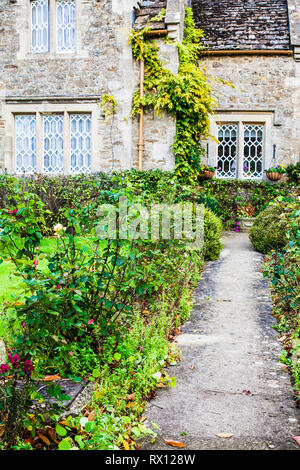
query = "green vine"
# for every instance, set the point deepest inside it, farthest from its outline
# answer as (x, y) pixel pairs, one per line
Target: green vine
(109, 106)
(186, 95)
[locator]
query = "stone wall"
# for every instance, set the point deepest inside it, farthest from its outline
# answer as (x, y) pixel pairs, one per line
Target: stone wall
(262, 84)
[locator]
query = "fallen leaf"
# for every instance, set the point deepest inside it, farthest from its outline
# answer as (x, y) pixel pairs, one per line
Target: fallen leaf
(224, 435)
(126, 445)
(92, 416)
(192, 367)
(64, 422)
(51, 378)
(246, 392)
(131, 405)
(44, 438)
(1, 431)
(297, 439)
(52, 434)
(175, 444)
(131, 397)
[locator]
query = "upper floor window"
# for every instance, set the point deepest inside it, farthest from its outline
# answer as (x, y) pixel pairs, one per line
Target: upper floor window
(65, 24)
(53, 24)
(40, 26)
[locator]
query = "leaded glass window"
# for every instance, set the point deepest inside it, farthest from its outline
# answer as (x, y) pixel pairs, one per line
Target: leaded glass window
(53, 143)
(253, 151)
(80, 143)
(25, 144)
(40, 26)
(65, 20)
(227, 151)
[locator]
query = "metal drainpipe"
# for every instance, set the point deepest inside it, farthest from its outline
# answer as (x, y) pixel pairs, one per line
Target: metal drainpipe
(141, 145)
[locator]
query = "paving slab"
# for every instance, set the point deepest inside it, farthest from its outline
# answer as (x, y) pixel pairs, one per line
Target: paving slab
(229, 379)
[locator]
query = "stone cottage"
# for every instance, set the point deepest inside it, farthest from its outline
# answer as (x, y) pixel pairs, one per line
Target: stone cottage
(58, 58)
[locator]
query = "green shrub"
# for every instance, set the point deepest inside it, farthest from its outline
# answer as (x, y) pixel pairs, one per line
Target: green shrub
(282, 269)
(230, 194)
(269, 231)
(212, 234)
(293, 172)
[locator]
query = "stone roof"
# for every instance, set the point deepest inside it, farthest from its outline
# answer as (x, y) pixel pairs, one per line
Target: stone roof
(243, 24)
(149, 9)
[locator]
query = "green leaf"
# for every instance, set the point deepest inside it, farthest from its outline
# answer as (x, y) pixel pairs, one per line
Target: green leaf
(60, 430)
(117, 356)
(65, 444)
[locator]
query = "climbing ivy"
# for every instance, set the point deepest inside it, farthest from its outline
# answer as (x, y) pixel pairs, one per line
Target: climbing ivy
(108, 105)
(187, 95)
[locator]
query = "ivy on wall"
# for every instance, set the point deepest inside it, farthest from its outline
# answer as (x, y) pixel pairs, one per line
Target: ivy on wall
(186, 95)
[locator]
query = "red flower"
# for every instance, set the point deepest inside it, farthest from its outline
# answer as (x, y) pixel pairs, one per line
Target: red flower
(28, 367)
(14, 360)
(4, 368)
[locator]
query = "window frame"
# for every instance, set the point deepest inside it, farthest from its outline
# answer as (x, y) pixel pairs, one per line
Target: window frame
(56, 29)
(50, 108)
(49, 30)
(241, 118)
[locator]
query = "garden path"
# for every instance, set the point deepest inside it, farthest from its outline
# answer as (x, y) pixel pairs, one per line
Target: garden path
(229, 379)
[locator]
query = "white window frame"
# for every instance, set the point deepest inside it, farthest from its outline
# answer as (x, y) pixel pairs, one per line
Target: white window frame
(47, 108)
(31, 33)
(56, 29)
(240, 118)
(24, 28)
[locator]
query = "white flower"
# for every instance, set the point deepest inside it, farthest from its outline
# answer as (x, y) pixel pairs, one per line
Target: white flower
(58, 228)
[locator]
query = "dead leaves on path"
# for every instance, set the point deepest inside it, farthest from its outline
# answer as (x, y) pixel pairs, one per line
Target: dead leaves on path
(51, 378)
(224, 435)
(297, 439)
(175, 443)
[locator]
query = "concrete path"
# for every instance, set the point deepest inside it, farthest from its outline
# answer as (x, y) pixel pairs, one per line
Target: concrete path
(229, 379)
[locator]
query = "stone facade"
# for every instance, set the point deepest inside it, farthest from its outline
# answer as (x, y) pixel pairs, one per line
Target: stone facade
(103, 64)
(263, 85)
(251, 45)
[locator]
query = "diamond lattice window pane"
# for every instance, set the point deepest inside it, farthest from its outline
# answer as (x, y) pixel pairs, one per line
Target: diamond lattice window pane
(25, 144)
(227, 151)
(40, 26)
(53, 143)
(65, 20)
(80, 143)
(253, 151)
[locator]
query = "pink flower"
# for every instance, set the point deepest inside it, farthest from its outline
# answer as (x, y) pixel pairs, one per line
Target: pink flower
(4, 368)
(36, 262)
(71, 353)
(57, 287)
(14, 360)
(28, 367)
(90, 322)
